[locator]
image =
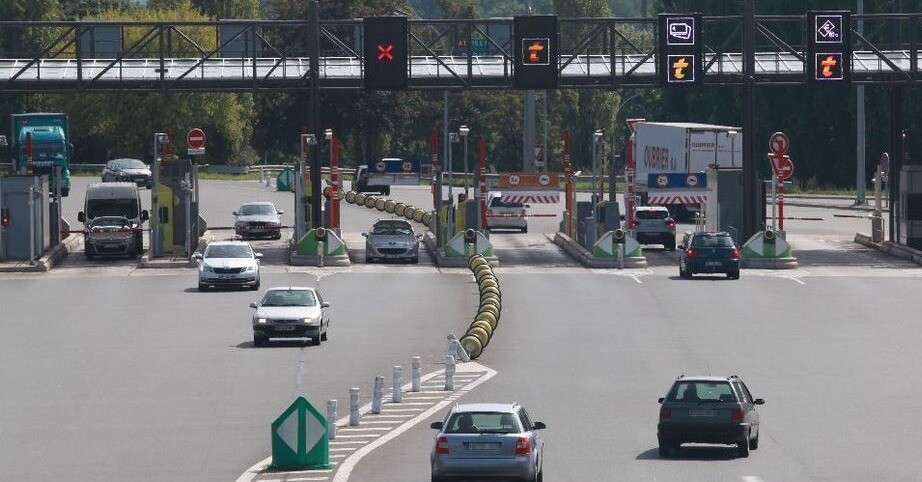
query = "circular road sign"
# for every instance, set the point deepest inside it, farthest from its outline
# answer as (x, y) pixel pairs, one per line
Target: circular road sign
(407, 166)
(195, 139)
(544, 179)
(779, 143)
(691, 180)
(514, 180)
(662, 180)
(380, 166)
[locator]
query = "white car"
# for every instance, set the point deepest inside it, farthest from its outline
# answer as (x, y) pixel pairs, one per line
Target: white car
(290, 312)
(506, 215)
(228, 263)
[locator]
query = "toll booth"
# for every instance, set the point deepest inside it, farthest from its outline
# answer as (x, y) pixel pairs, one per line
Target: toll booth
(723, 208)
(909, 209)
(24, 203)
(178, 217)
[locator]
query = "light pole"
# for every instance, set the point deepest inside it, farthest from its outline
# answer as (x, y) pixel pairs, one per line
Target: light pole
(598, 137)
(464, 131)
(452, 139)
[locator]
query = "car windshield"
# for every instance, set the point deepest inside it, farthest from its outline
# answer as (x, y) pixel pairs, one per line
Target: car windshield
(712, 242)
(482, 422)
(497, 202)
(111, 207)
(131, 164)
(392, 228)
(290, 298)
(254, 209)
(228, 251)
(651, 214)
(701, 392)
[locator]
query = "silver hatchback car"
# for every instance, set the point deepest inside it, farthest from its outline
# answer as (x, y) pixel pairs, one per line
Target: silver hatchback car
(392, 239)
(488, 440)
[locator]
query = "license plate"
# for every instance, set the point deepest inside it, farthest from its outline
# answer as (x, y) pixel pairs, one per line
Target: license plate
(483, 446)
(700, 413)
(713, 263)
(285, 328)
(225, 276)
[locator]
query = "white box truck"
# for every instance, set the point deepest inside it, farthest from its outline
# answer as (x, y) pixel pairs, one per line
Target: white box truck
(671, 159)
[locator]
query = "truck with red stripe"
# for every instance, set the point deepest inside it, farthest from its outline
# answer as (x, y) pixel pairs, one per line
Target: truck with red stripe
(668, 161)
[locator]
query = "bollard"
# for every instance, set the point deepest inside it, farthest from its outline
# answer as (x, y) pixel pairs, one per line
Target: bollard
(449, 373)
(331, 418)
(417, 373)
(397, 394)
(353, 407)
(320, 250)
(261, 177)
(378, 395)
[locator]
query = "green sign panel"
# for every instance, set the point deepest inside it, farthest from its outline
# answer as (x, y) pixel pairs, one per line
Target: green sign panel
(300, 439)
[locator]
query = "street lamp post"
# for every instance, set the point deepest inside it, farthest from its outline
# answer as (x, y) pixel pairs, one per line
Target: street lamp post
(598, 137)
(464, 131)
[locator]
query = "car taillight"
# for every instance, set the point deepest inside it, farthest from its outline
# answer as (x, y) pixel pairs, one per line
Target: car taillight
(665, 413)
(523, 446)
(634, 223)
(737, 416)
(691, 252)
(441, 446)
(735, 254)
(671, 223)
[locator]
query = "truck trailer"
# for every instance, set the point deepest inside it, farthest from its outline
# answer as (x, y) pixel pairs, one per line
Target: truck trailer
(671, 160)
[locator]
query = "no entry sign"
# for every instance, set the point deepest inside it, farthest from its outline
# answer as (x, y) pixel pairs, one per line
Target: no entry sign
(195, 139)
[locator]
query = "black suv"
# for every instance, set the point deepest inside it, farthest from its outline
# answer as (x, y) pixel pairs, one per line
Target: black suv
(706, 409)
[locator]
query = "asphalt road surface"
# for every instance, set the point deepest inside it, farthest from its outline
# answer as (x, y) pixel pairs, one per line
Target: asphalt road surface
(112, 373)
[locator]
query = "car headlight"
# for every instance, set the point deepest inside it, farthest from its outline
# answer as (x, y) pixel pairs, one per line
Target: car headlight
(249, 269)
(310, 321)
(261, 321)
(208, 269)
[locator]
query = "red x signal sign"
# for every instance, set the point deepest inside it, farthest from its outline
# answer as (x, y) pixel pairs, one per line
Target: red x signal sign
(386, 52)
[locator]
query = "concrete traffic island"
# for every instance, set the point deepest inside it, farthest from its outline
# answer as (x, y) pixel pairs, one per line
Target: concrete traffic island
(319, 247)
(47, 261)
(889, 247)
(767, 250)
(606, 252)
(444, 259)
(177, 261)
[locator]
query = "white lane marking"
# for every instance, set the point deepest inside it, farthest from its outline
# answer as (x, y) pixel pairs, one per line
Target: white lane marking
(358, 435)
(751, 478)
(305, 479)
(406, 404)
(378, 422)
(341, 449)
(361, 429)
(345, 470)
(262, 465)
(405, 410)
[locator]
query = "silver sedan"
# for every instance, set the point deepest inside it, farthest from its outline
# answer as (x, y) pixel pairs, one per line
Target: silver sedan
(290, 312)
(392, 239)
(488, 440)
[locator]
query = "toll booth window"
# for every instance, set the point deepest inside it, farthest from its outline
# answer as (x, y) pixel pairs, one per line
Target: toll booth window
(290, 298)
(652, 214)
(112, 207)
(228, 251)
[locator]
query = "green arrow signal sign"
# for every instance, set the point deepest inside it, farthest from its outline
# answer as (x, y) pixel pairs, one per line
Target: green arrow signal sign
(300, 439)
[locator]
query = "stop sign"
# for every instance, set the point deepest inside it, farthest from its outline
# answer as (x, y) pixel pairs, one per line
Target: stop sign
(195, 139)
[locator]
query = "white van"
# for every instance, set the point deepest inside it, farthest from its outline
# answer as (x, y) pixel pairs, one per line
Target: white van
(112, 220)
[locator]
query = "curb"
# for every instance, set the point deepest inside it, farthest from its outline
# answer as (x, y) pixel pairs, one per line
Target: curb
(769, 263)
(48, 260)
(586, 258)
(829, 206)
(147, 263)
(304, 260)
(444, 261)
(889, 247)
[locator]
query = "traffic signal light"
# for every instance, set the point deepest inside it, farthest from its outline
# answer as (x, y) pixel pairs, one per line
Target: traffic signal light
(386, 53)
(5, 217)
(680, 49)
(829, 48)
(536, 52)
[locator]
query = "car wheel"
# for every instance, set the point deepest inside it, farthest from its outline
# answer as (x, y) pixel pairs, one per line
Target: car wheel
(670, 245)
(89, 254)
(734, 275)
(369, 260)
(65, 192)
(742, 448)
(259, 340)
(316, 340)
(681, 272)
(664, 449)
(323, 336)
(540, 476)
(386, 191)
(415, 260)
(525, 229)
(688, 273)
(754, 443)
(202, 287)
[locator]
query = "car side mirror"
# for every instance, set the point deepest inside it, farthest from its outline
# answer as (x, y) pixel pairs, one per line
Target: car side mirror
(253, 304)
(364, 235)
(436, 425)
(660, 400)
(144, 215)
(81, 216)
(280, 212)
(259, 256)
(680, 246)
(197, 256)
(759, 401)
(235, 213)
(538, 426)
(325, 304)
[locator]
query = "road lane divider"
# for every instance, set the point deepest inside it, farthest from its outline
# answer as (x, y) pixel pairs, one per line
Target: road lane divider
(390, 206)
(486, 321)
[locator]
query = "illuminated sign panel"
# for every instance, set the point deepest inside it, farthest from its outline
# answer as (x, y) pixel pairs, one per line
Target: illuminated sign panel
(536, 52)
(385, 44)
(679, 49)
(829, 46)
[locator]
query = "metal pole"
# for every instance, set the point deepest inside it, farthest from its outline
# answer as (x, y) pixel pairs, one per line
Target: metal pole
(465, 167)
(751, 188)
(155, 249)
(416, 373)
(860, 128)
(774, 181)
(482, 184)
(451, 169)
(313, 18)
(528, 141)
(595, 180)
(2, 245)
(377, 396)
(187, 191)
(56, 217)
(896, 159)
(335, 182)
(353, 407)
(32, 223)
(449, 373)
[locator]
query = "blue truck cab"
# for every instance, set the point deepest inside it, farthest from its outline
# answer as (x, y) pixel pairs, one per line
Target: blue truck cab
(50, 144)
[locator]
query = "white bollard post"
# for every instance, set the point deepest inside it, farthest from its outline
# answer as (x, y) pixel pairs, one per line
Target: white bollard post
(353, 407)
(262, 176)
(331, 418)
(417, 373)
(321, 246)
(397, 393)
(378, 395)
(449, 373)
